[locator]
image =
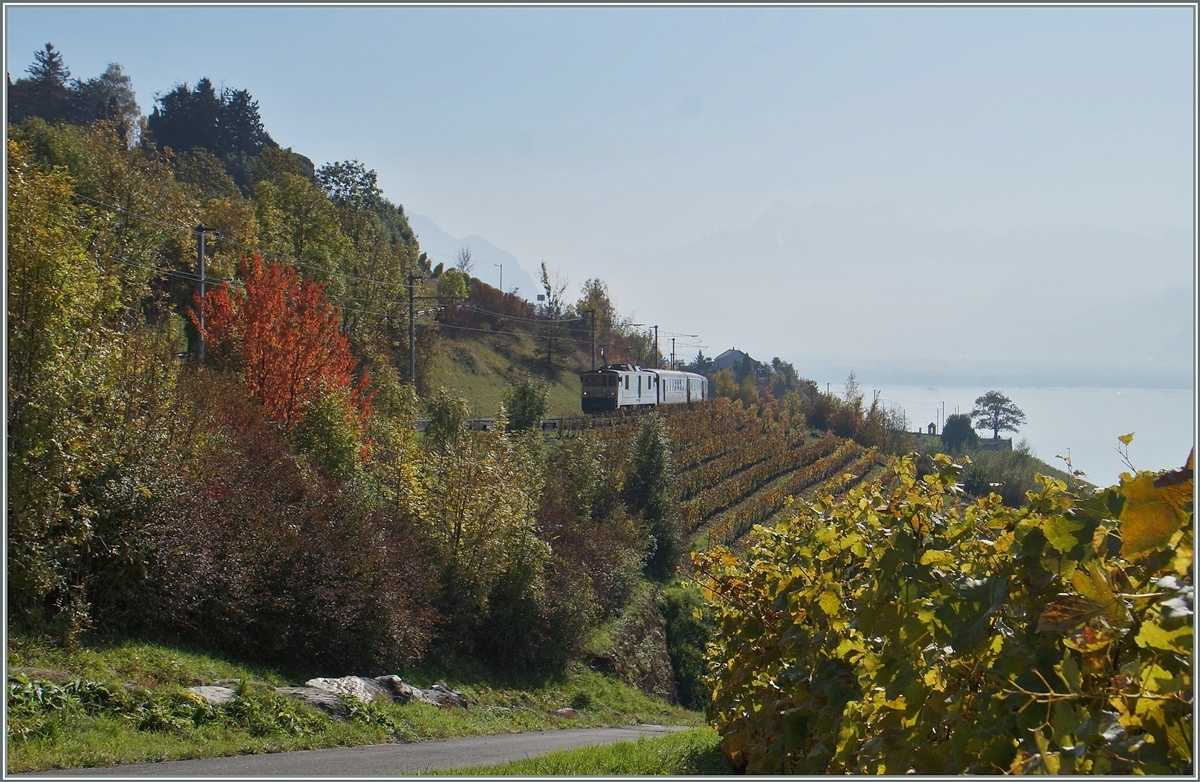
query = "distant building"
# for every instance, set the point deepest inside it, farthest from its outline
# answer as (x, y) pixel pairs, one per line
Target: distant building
(730, 359)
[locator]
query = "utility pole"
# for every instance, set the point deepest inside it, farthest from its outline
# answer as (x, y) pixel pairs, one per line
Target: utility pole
(501, 275)
(592, 312)
(412, 333)
(672, 352)
(657, 360)
(201, 229)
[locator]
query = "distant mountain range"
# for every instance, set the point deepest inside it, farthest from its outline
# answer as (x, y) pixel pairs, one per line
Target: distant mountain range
(444, 248)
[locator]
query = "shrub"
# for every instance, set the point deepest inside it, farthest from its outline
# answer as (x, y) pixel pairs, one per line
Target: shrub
(958, 435)
(473, 496)
(1011, 474)
(526, 401)
(689, 627)
(257, 558)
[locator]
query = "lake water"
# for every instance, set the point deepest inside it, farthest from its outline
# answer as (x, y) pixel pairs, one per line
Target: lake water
(1082, 423)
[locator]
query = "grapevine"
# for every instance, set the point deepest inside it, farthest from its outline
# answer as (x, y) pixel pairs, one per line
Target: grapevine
(895, 629)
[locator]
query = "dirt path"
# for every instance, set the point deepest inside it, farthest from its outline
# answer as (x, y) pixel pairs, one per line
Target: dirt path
(379, 759)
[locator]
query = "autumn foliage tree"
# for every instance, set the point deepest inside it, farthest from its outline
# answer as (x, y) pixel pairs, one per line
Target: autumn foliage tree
(283, 335)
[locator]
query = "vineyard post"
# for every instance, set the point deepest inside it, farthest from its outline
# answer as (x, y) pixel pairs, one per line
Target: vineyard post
(592, 312)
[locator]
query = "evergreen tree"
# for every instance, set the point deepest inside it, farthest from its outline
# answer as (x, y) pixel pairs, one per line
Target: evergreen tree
(226, 124)
(648, 484)
(957, 434)
(45, 93)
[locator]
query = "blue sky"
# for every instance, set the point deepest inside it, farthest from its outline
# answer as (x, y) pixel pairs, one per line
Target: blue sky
(653, 147)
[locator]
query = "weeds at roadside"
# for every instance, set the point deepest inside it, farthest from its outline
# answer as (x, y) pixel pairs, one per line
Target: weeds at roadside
(128, 703)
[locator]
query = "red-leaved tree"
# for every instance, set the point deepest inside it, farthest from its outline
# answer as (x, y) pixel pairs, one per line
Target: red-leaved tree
(282, 334)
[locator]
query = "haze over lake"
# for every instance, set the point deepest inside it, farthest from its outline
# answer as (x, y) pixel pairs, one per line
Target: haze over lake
(1083, 422)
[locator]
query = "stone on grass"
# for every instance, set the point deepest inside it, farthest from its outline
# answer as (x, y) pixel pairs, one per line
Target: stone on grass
(322, 699)
(358, 687)
(213, 694)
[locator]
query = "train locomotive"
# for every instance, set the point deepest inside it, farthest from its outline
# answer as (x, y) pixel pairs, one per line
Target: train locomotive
(623, 386)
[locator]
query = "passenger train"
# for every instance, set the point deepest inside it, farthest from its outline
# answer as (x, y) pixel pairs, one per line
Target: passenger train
(619, 386)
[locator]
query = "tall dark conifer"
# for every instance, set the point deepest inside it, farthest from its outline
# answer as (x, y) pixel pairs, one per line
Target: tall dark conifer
(225, 124)
(45, 93)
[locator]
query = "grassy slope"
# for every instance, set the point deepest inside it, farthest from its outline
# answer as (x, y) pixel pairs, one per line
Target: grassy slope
(68, 738)
(479, 367)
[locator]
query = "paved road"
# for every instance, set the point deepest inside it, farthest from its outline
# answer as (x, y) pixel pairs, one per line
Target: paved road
(380, 759)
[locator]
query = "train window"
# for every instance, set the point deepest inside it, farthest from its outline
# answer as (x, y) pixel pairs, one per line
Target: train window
(627, 382)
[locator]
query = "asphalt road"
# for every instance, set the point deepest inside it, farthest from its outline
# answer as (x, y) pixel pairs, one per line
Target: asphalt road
(377, 760)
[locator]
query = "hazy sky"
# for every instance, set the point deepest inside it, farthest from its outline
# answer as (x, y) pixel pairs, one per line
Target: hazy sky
(661, 149)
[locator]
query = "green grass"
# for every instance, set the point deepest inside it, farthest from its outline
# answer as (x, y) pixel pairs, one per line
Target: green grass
(687, 753)
(478, 369)
(146, 716)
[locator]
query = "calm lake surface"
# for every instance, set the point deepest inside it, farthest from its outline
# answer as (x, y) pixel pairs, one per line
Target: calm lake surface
(1083, 423)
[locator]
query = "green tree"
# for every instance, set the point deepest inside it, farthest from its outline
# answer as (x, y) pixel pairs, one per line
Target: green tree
(648, 486)
(526, 401)
(88, 390)
(597, 305)
(958, 434)
(331, 432)
(206, 174)
(452, 284)
(701, 364)
(783, 378)
(475, 495)
(349, 183)
(50, 93)
(297, 222)
(227, 124)
(139, 182)
(109, 97)
(447, 419)
(46, 93)
(997, 412)
(748, 390)
(724, 385)
(382, 253)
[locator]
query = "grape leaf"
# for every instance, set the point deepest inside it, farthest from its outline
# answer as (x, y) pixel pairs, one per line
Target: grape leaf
(1178, 640)
(1066, 612)
(1151, 515)
(1058, 529)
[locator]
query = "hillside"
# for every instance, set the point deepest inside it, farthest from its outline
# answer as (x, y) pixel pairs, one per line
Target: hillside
(479, 368)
